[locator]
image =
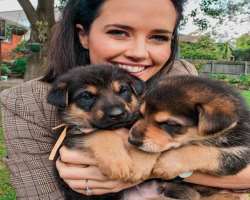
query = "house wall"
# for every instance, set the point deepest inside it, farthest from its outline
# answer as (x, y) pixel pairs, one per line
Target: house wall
(7, 47)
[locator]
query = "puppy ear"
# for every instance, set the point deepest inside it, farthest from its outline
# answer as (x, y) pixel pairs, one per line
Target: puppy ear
(58, 95)
(213, 120)
(138, 86)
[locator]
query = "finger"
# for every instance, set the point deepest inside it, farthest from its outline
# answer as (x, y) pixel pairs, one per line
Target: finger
(79, 172)
(110, 185)
(76, 156)
(101, 191)
(95, 192)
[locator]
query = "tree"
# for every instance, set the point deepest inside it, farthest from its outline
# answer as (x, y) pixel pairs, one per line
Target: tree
(242, 51)
(210, 15)
(41, 20)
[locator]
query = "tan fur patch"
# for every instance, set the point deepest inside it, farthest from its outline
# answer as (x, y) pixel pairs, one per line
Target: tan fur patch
(143, 108)
(161, 116)
(78, 115)
(92, 89)
(133, 104)
(116, 86)
(158, 138)
(99, 114)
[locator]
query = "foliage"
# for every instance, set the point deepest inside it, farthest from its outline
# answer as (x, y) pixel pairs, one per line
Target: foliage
(5, 69)
(205, 48)
(22, 47)
(243, 42)
(43, 30)
(19, 66)
(242, 82)
(242, 54)
(219, 10)
(242, 51)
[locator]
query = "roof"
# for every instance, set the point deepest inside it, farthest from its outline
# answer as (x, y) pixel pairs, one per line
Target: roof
(16, 28)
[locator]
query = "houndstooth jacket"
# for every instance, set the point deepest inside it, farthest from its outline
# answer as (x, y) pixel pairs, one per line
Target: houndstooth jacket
(27, 123)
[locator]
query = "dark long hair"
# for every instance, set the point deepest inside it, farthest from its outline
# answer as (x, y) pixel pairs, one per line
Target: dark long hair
(66, 51)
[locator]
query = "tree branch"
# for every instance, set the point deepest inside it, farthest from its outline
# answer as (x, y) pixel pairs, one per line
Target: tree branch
(29, 11)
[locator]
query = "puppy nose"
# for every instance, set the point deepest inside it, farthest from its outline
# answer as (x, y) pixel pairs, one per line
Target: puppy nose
(116, 112)
(135, 141)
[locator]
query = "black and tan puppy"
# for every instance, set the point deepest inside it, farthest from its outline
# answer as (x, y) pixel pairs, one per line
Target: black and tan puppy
(93, 98)
(196, 124)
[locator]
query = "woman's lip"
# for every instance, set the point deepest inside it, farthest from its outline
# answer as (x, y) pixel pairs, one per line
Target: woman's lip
(132, 68)
(132, 64)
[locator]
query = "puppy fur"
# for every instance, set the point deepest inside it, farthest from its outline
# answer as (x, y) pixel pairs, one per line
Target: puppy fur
(196, 124)
(91, 100)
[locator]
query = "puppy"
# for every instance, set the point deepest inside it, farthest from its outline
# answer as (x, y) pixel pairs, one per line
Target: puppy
(94, 98)
(196, 124)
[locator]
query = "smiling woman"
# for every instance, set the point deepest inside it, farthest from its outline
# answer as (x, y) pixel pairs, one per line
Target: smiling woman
(139, 36)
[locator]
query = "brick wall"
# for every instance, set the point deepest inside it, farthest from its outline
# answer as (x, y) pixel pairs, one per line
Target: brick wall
(7, 47)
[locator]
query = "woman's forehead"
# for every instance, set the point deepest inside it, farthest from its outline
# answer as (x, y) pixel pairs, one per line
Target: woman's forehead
(157, 13)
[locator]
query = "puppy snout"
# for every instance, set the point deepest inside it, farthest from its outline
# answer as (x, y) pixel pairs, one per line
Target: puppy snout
(135, 141)
(116, 112)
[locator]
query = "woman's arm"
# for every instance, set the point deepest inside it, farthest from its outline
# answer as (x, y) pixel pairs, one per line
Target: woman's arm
(238, 181)
(29, 141)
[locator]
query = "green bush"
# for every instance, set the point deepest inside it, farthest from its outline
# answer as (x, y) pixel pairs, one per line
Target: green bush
(34, 47)
(19, 66)
(22, 47)
(4, 69)
(245, 80)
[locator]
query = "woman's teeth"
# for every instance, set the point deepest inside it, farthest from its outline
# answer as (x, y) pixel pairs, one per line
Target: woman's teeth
(132, 69)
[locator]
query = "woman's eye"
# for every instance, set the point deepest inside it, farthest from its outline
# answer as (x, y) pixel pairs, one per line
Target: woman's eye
(160, 38)
(117, 33)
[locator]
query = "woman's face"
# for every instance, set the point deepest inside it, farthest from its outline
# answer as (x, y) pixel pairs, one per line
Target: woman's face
(135, 34)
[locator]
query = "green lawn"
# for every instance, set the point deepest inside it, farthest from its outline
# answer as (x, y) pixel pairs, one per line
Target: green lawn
(7, 192)
(246, 95)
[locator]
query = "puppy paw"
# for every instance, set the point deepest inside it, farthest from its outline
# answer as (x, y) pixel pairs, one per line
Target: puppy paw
(161, 171)
(117, 168)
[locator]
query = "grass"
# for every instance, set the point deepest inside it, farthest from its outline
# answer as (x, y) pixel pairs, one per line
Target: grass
(7, 192)
(246, 95)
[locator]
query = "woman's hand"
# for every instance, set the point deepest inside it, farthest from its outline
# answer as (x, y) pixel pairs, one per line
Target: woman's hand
(79, 170)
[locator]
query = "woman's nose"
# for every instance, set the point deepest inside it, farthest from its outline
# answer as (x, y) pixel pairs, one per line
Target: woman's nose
(137, 50)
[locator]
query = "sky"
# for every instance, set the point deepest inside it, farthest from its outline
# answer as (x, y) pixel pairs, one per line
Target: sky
(230, 30)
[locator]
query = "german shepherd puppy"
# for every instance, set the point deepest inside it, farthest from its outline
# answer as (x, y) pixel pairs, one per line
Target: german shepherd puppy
(92, 98)
(196, 124)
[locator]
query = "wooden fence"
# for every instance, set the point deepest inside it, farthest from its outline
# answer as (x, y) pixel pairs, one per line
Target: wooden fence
(224, 67)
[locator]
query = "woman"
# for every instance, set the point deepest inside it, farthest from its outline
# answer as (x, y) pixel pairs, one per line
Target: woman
(139, 36)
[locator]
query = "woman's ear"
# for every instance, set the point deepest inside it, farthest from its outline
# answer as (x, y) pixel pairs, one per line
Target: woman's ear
(83, 36)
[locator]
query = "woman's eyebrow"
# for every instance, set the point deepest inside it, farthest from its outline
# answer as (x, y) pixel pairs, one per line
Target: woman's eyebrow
(118, 26)
(162, 31)
(122, 26)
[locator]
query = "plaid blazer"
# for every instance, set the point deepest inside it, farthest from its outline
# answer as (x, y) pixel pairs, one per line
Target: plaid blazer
(27, 122)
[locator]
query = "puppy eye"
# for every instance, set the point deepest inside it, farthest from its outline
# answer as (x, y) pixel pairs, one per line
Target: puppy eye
(171, 126)
(87, 95)
(85, 100)
(125, 91)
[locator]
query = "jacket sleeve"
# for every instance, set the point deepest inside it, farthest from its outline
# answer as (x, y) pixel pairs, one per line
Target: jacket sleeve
(182, 67)
(27, 120)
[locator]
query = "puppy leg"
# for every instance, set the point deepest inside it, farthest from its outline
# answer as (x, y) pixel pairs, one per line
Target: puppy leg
(143, 164)
(187, 158)
(110, 153)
